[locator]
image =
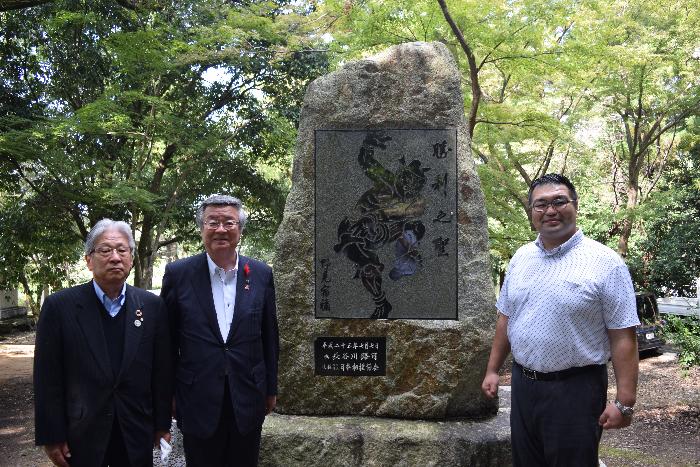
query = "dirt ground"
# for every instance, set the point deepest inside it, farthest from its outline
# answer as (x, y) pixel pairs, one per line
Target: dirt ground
(665, 430)
(16, 409)
(666, 425)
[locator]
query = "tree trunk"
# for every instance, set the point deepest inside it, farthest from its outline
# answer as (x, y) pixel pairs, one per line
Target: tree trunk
(143, 271)
(626, 231)
(146, 272)
(473, 69)
(145, 252)
(34, 305)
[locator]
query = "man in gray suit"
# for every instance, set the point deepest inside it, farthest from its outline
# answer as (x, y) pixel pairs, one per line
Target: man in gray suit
(103, 363)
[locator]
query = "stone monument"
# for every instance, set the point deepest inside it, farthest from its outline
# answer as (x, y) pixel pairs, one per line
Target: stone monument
(9, 307)
(385, 302)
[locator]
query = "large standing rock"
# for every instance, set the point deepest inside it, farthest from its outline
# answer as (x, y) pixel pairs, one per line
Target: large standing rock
(434, 367)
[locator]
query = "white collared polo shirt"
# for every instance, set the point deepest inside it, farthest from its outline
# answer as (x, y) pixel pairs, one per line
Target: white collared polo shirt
(561, 302)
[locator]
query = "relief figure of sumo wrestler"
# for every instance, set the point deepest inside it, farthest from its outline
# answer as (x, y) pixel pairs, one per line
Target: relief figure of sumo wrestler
(389, 212)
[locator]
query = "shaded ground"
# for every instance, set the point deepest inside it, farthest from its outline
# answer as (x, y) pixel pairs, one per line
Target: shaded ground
(16, 399)
(666, 426)
(665, 431)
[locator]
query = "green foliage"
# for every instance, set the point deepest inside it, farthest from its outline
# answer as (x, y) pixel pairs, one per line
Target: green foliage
(525, 113)
(596, 90)
(666, 260)
(34, 253)
(639, 71)
(508, 225)
(684, 332)
(138, 115)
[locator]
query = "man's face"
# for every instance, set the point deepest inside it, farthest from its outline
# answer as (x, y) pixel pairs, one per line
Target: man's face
(555, 226)
(110, 268)
(220, 240)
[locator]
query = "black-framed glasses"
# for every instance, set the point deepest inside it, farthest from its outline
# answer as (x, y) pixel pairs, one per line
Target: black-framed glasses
(106, 251)
(227, 225)
(558, 204)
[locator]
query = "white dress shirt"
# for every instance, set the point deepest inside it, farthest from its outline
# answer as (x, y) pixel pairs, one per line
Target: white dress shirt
(223, 289)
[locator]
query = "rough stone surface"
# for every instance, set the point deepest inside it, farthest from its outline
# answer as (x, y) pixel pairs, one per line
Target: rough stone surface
(306, 441)
(434, 367)
(8, 298)
(405, 277)
(13, 312)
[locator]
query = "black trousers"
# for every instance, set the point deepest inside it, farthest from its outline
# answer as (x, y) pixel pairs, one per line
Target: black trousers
(227, 447)
(116, 455)
(555, 423)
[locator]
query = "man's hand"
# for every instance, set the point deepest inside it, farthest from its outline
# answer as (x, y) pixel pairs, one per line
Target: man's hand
(161, 434)
(490, 385)
(499, 351)
(625, 360)
(58, 453)
(613, 418)
(271, 403)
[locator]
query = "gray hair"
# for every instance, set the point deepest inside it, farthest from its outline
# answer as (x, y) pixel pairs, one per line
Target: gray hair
(101, 227)
(221, 200)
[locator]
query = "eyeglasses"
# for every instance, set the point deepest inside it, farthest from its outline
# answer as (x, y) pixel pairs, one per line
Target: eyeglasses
(557, 203)
(106, 251)
(227, 225)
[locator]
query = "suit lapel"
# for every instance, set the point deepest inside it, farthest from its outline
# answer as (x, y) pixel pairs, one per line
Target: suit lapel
(87, 314)
(201, 284)
(243, 280)
(132, 333)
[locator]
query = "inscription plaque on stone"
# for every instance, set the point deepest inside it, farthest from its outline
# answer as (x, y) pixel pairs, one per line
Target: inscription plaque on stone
(386, 227)
(350, 356)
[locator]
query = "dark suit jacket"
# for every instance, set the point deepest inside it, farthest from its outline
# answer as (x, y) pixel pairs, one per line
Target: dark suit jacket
(247, 356)
(76, 392)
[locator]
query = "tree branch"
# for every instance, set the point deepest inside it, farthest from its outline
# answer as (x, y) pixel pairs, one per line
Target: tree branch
(513, 57)
(484, 158)
(473, 69)
(495, 47)
(522, 123)
(7, 5)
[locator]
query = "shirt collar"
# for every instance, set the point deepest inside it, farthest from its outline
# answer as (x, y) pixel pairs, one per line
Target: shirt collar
(101, 294)
(564, 247)
(213, 268)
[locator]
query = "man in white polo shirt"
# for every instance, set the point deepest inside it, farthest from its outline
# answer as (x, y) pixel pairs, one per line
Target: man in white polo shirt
(566, 307)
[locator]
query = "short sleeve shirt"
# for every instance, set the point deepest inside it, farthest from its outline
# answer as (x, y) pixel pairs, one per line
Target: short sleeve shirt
(561, 302)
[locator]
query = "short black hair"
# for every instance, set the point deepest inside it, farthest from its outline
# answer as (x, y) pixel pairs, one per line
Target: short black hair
(552, 179)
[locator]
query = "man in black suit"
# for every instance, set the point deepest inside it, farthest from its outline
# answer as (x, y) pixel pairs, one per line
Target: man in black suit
(222, 310)
(103, 363)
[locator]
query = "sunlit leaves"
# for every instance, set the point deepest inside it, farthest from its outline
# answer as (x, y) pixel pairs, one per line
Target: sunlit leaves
(139, 114)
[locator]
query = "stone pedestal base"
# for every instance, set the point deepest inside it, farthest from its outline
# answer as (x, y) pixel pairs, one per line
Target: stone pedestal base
(289, 440)
(13, 312)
